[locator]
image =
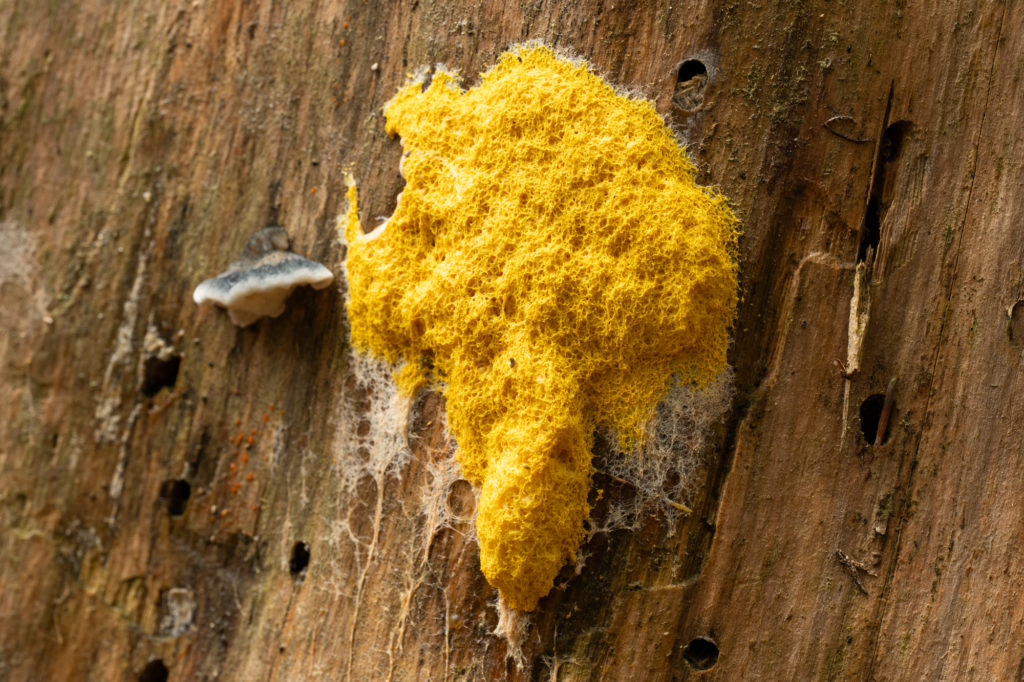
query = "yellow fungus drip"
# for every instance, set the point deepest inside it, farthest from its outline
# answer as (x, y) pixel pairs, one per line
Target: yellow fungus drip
(552, 262)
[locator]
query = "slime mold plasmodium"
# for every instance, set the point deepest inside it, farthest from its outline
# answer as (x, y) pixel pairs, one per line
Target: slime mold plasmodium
(551, 263)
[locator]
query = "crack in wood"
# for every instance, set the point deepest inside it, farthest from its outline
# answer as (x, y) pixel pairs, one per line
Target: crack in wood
(903, 508)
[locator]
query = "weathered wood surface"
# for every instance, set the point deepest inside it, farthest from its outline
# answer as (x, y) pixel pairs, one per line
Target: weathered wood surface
(142, 143)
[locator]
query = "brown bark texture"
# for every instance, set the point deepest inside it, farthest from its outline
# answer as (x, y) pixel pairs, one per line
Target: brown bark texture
(179, 499)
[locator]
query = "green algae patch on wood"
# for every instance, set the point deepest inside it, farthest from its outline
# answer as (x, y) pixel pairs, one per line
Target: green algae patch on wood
(551, 263)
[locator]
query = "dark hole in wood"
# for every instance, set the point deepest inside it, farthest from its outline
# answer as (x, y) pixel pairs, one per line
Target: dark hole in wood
(889, 149)
(691, 68)
(701, 653)
(159, 374)
(870, 411)
(1014, 323)
(176, 493)
(691, 80)
(299, 560)
(155, 671)
(892, 140)
(872, 230)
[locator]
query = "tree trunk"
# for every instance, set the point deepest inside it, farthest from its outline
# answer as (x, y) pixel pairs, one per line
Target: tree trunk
(184, 499)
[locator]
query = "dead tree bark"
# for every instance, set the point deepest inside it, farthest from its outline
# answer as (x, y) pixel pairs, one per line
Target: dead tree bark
(172, 500)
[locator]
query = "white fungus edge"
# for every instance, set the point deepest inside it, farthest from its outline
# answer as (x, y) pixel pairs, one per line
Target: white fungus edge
(258, 295)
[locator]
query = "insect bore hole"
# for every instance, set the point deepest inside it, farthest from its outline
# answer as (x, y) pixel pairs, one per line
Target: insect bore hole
(691, 80)
(175, 493)
(155, 671)
(159, 373)
(701, 653)
(299, 560)
(870, 412)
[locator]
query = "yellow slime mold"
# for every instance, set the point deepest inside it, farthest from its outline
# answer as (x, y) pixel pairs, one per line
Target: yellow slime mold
(552, 263)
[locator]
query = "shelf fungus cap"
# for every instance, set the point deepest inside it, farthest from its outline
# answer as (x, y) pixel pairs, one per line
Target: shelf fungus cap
(258, 283)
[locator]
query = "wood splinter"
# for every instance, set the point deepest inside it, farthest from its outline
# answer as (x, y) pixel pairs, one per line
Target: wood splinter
(886, 414)
(845, 373)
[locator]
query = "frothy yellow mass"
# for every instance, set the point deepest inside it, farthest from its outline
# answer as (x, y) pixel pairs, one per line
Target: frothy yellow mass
(551, 262)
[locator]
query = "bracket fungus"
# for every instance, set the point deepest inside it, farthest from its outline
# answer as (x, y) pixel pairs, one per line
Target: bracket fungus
(553, 256)
(258, 283)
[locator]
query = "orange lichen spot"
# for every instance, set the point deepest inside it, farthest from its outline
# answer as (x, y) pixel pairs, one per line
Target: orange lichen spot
(224, 512)
(271, 407)
(342, 42)
(238, 422)
(245, 458)
(554, 256)
(251, 440)
(231, 466)
(266, 418)
(250, 477)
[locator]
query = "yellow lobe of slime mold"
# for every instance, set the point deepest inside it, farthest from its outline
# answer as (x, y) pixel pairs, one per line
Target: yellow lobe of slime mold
(553, 257)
